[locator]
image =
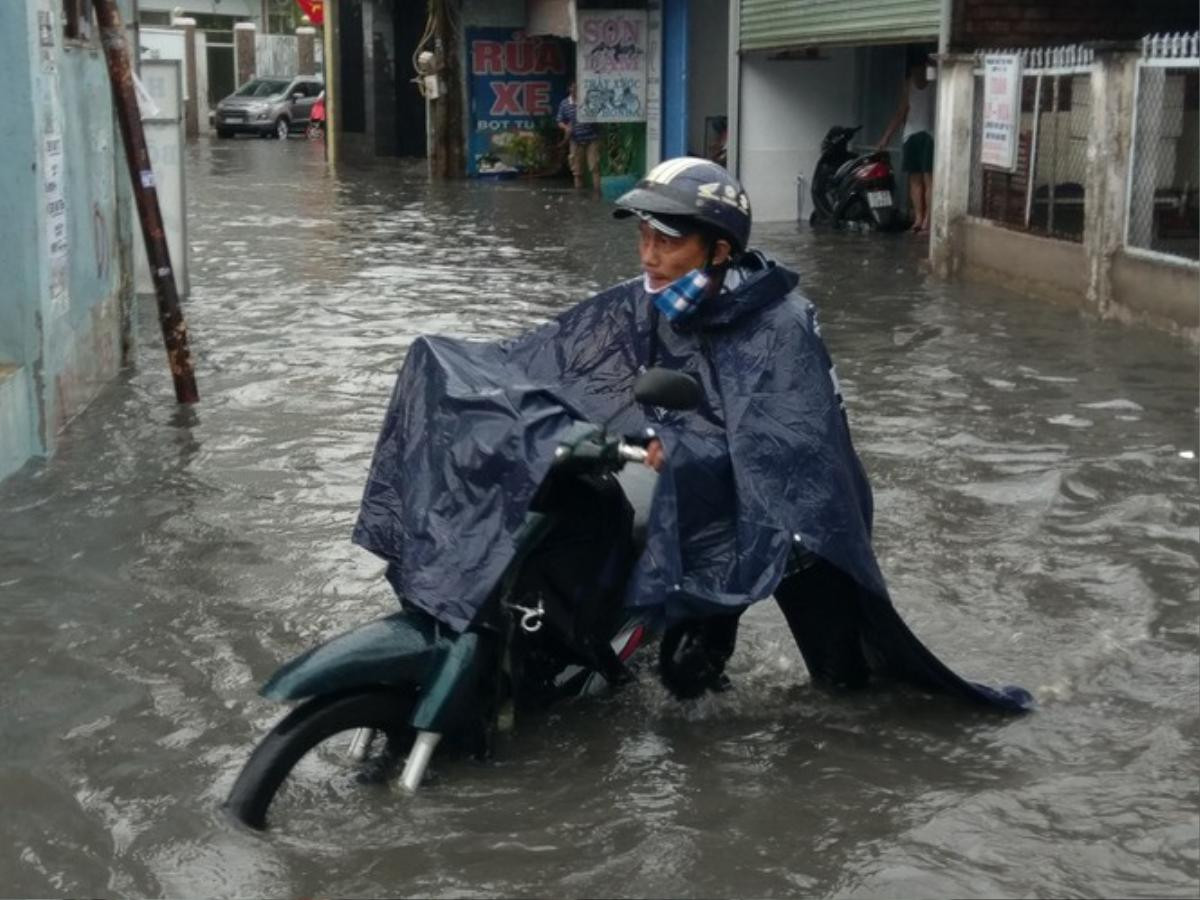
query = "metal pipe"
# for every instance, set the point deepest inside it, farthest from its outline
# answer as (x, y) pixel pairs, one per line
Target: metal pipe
(333, 85)
(1053, 161)
(360, 743)
(1031, 175)
(418, 760)
(170, 316)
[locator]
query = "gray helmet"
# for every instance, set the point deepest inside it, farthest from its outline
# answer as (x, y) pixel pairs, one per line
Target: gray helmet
(689, 189)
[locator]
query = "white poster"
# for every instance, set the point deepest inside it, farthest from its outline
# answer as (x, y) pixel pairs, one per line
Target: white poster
(1001, 111)
(611, 65)
(53, 173)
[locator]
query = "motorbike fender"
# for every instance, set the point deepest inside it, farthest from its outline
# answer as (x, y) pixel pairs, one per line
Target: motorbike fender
(453, 690)
(398, 650)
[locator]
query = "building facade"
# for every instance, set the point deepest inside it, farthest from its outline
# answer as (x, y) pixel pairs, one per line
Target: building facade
(802, 67)
(380, 110)
(66, 242)
(1096, 203)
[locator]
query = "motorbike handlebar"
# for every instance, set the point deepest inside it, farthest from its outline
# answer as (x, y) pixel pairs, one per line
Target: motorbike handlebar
(631, 453)
(612, 454)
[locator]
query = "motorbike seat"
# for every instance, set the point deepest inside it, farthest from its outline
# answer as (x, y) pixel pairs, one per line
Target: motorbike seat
(845, 168)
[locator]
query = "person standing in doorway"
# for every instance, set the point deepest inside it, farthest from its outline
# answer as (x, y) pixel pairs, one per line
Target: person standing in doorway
(583, 140)
(915, 113)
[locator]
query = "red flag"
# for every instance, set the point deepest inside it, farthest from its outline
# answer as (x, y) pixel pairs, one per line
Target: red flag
(314, 9)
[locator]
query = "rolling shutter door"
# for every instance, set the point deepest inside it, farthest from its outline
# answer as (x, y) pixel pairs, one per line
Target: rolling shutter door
(775, 24)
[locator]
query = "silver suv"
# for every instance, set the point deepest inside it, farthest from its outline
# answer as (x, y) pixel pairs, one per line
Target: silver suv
(268, 106)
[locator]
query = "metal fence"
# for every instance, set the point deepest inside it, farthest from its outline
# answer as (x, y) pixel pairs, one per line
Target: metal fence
(1045, 194)
(1164, 198)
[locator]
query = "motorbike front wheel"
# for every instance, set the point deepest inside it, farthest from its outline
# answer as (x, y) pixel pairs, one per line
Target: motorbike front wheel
(309, 725)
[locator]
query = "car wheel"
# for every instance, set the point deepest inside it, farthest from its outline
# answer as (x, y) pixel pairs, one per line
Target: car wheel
(224, 133)
(281, 128)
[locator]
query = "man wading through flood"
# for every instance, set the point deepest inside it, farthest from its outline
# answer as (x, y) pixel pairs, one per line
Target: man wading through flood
(759, 490)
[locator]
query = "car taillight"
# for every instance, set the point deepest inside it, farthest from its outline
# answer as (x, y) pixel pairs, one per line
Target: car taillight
(874, 170)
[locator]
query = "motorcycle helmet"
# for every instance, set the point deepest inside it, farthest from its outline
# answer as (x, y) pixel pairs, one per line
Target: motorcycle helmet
(687, 191)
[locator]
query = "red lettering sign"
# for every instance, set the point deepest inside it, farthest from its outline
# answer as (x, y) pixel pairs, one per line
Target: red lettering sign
(612, 31)
(537, 98)
(487, 58)
(521, 98)
(509, 101)
(528, 56)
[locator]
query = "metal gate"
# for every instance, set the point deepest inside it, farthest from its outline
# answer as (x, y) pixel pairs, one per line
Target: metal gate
(1045, 194)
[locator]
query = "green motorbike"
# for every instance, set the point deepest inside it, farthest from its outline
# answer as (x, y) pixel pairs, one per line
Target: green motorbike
(402, 684)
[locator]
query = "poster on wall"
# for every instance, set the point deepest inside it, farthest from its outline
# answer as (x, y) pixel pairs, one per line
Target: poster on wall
(1001, 111)
(53, 173)
(516, 84)
(611, 65)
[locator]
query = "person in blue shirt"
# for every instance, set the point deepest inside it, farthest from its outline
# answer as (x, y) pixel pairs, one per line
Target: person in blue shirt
(583, 140)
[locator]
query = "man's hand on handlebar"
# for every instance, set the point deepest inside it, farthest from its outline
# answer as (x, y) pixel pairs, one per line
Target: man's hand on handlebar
(655, 455)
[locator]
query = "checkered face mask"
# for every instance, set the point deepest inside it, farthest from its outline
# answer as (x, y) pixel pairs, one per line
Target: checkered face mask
(682, 297)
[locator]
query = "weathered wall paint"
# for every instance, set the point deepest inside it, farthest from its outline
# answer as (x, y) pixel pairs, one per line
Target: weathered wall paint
(19, 189)
(66, 293)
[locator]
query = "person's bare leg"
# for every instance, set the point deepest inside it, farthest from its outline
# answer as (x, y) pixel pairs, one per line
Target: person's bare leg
(576, 164)
(595, 167)
(927, 184)
(916, 193)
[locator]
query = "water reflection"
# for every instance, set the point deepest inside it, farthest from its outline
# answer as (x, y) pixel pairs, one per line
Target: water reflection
(1034, 517)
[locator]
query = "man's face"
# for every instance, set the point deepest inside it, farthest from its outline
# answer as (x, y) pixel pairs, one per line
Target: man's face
(666, 259)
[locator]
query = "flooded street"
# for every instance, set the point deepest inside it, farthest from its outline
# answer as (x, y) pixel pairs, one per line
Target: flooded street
(1037, 516)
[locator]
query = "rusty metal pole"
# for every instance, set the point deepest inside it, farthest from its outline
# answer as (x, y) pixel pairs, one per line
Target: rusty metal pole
(447, 110)
(170, 316)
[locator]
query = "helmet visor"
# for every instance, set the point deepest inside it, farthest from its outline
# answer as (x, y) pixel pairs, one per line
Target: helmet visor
(668, 225)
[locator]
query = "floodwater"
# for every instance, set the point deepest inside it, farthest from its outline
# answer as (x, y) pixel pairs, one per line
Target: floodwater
(1037, 517)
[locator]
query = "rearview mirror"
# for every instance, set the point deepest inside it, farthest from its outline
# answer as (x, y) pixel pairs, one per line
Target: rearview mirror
(299, 95)
(668, 389)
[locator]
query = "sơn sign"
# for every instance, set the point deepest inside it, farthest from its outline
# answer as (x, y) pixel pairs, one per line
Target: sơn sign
(611, 62)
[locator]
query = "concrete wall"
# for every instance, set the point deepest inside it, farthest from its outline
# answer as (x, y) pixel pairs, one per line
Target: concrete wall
(66, 297)
(785, 109)
(19, 243)
(276, 54)
(1052, 269)
(1162, 293)
(250, 9)
(1099, 274)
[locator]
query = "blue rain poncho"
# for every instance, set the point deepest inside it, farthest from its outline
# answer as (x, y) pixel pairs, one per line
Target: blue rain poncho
(765, 466)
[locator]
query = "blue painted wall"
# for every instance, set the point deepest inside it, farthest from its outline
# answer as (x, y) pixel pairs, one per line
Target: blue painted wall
(18, 189)
(62, 322)
(674, 78)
